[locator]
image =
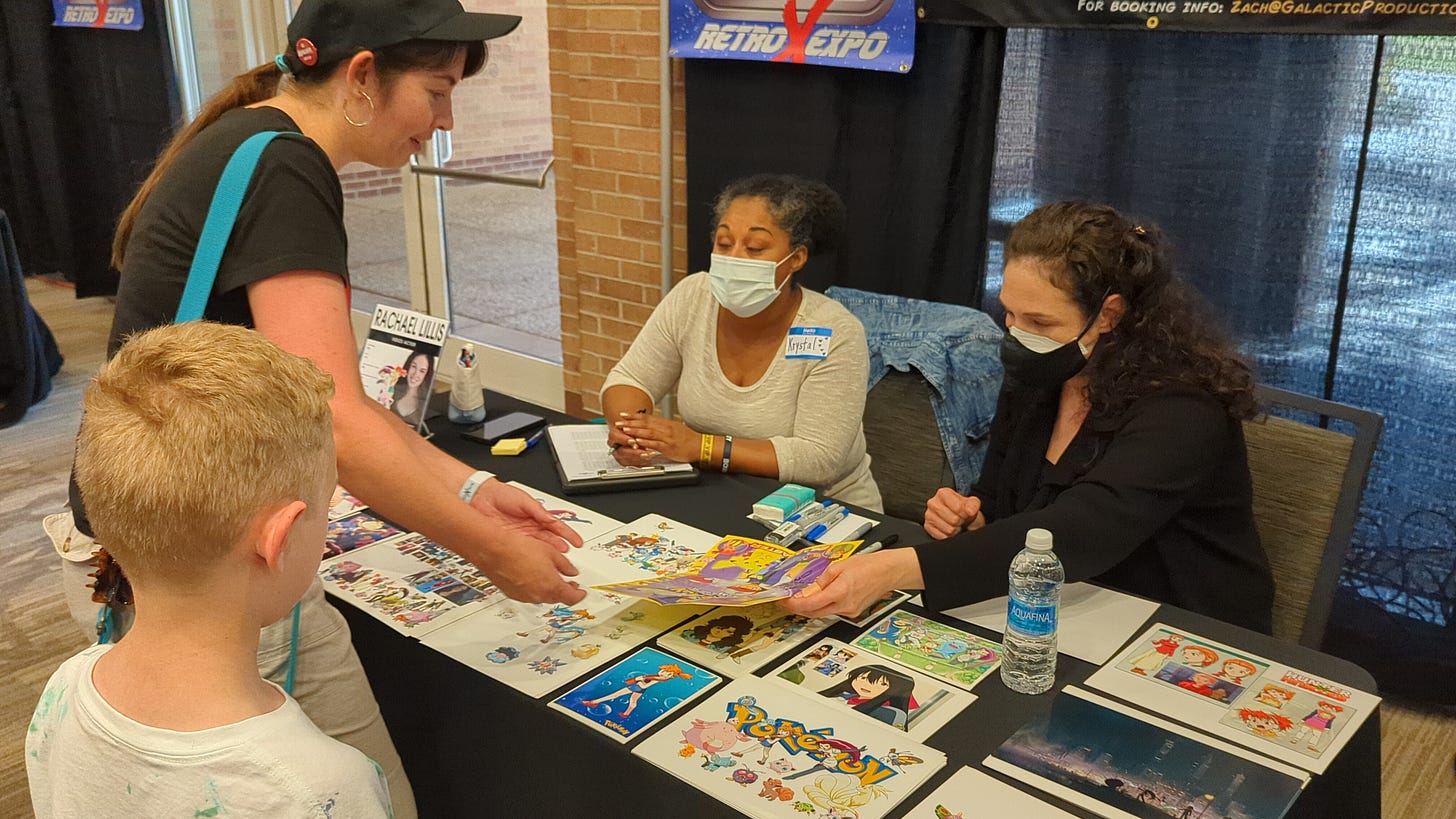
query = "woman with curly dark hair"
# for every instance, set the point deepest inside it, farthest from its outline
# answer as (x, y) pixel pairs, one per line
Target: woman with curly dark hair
(1118, 429)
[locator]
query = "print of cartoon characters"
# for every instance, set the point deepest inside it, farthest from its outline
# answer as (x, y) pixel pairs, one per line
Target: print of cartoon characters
(562, 624)
(769, 635)
(1265, 724)
(1274, 696)
(878, 691)
(720, 634)
(633, 687)
(1153, 660)
(713, 739)
(1316, 723)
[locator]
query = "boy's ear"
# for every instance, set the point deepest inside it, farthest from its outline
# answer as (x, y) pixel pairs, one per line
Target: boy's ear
(275, 525)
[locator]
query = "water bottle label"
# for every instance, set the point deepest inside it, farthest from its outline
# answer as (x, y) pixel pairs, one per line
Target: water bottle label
(1034, 621)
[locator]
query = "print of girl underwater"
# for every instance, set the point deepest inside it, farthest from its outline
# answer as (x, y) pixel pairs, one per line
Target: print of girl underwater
(633, 687)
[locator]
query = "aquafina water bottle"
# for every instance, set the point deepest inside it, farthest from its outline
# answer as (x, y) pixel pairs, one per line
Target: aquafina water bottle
(1029, 662)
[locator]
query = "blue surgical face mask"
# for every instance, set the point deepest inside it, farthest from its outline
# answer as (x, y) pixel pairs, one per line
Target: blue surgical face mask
(744, 286)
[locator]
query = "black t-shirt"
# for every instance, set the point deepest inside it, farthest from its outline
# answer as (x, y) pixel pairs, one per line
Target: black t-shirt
(292, 218)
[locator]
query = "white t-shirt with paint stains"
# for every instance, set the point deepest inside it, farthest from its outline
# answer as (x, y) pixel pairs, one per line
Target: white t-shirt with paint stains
(84, 758)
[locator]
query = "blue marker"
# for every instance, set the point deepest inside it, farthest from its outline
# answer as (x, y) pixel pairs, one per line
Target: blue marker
(535, 439)
(817, 530)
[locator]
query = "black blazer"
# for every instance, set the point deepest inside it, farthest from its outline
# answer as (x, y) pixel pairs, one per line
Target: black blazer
(1157, 502)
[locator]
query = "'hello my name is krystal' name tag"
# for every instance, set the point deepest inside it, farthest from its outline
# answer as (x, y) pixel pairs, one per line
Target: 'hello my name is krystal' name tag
(808, 342)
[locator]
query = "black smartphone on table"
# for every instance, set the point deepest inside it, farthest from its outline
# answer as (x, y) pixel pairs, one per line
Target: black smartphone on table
(510, 425)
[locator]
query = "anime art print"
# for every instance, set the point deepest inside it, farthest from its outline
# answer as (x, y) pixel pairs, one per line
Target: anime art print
(736, 641)
(355, 532)
(932, 648)
(342, 504)
(739, 571)
(770, 750)
(1286, 713)
(649, 547)
(1199, 668)
(635, 694)
(868, 684)
(1115, 762)
(536, 649)
(410, 583)
(583, 521)
(971, 794)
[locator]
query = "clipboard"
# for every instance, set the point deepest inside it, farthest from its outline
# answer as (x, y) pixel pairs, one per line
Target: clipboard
(584, 464)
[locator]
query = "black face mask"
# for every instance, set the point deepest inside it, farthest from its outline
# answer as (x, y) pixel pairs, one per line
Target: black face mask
(1044, 371)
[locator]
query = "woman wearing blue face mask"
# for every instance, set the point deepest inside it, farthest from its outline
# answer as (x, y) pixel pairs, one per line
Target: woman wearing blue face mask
(770, 376)
(1118, 429)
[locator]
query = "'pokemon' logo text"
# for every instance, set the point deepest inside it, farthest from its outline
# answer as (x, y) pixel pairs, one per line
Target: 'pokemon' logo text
(819, 744)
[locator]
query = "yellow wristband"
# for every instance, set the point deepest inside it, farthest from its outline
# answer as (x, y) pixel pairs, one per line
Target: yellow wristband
(705, 451)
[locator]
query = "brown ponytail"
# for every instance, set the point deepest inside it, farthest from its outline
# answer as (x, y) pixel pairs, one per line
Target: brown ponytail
(247, 88)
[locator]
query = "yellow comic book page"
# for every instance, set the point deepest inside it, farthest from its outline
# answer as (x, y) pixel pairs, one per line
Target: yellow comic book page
(739, 572)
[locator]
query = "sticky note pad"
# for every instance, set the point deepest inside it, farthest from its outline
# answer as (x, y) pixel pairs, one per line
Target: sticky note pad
(508, 446)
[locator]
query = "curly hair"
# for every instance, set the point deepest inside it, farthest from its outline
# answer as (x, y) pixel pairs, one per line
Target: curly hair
(1166, 335)
(809, 211)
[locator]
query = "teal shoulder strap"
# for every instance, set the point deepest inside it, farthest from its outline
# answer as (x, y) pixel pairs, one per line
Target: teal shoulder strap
(227, 200)
(221, 214)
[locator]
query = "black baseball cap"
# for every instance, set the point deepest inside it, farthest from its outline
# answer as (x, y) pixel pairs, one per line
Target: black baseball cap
(325, 31)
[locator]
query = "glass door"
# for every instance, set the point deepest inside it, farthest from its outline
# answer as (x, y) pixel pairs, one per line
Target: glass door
(466, 231)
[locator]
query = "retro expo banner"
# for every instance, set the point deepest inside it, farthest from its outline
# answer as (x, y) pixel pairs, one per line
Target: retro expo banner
(123, 14)
(873, 34)
(1251, 16)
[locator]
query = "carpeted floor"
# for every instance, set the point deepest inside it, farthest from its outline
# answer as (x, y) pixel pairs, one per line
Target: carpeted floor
(36, 632)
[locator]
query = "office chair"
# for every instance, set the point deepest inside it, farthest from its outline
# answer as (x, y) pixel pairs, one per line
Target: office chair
(907, 456)
(1308, 481)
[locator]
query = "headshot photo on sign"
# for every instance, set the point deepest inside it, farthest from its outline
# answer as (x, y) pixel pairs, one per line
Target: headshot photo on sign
(412, 389)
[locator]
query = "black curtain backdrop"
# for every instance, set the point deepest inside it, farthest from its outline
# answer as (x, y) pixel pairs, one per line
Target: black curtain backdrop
(910, 154)
(83, 114)
(1306, 184)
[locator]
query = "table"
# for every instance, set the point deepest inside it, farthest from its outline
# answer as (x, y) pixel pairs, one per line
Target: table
(474, 747)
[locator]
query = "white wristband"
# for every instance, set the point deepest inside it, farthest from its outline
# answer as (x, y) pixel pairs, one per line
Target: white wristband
(473, 483)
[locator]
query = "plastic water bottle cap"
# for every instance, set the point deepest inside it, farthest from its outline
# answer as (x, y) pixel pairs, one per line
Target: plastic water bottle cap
(1039, 540)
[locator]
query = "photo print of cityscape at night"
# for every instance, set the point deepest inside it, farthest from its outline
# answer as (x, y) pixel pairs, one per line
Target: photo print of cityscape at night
(1102, 756)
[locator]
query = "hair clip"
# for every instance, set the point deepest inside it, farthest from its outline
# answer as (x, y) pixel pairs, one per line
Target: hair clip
(1138, 229)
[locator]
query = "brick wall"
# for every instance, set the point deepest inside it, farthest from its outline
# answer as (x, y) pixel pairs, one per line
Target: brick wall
(605, 83)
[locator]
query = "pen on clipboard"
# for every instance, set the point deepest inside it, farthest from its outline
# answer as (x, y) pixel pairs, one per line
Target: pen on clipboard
(879, 544)
(630, 472)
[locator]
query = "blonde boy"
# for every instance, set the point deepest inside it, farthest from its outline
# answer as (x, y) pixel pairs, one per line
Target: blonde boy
(206, 461)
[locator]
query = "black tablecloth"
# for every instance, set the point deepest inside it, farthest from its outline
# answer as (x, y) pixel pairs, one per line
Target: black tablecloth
(474, 747)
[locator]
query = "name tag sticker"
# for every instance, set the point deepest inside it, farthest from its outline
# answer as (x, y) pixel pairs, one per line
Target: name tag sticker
(808, 342)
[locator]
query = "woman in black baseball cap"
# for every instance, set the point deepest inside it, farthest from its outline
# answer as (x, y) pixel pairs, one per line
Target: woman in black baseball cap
(360, 81)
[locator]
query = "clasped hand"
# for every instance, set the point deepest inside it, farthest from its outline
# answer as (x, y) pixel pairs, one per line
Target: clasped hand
(640, 440)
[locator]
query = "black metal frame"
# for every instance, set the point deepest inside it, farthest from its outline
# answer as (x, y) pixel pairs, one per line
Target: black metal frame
(1368, 428)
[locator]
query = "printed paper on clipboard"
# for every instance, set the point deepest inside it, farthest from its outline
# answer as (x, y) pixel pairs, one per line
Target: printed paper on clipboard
(584, 463)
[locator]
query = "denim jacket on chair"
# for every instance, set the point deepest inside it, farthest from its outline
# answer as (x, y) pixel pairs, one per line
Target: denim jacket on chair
(956, 349)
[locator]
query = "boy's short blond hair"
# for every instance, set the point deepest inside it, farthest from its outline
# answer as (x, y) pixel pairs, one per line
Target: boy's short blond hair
(190, 431)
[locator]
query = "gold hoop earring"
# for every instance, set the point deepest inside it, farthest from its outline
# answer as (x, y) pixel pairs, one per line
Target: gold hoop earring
(350, 119)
